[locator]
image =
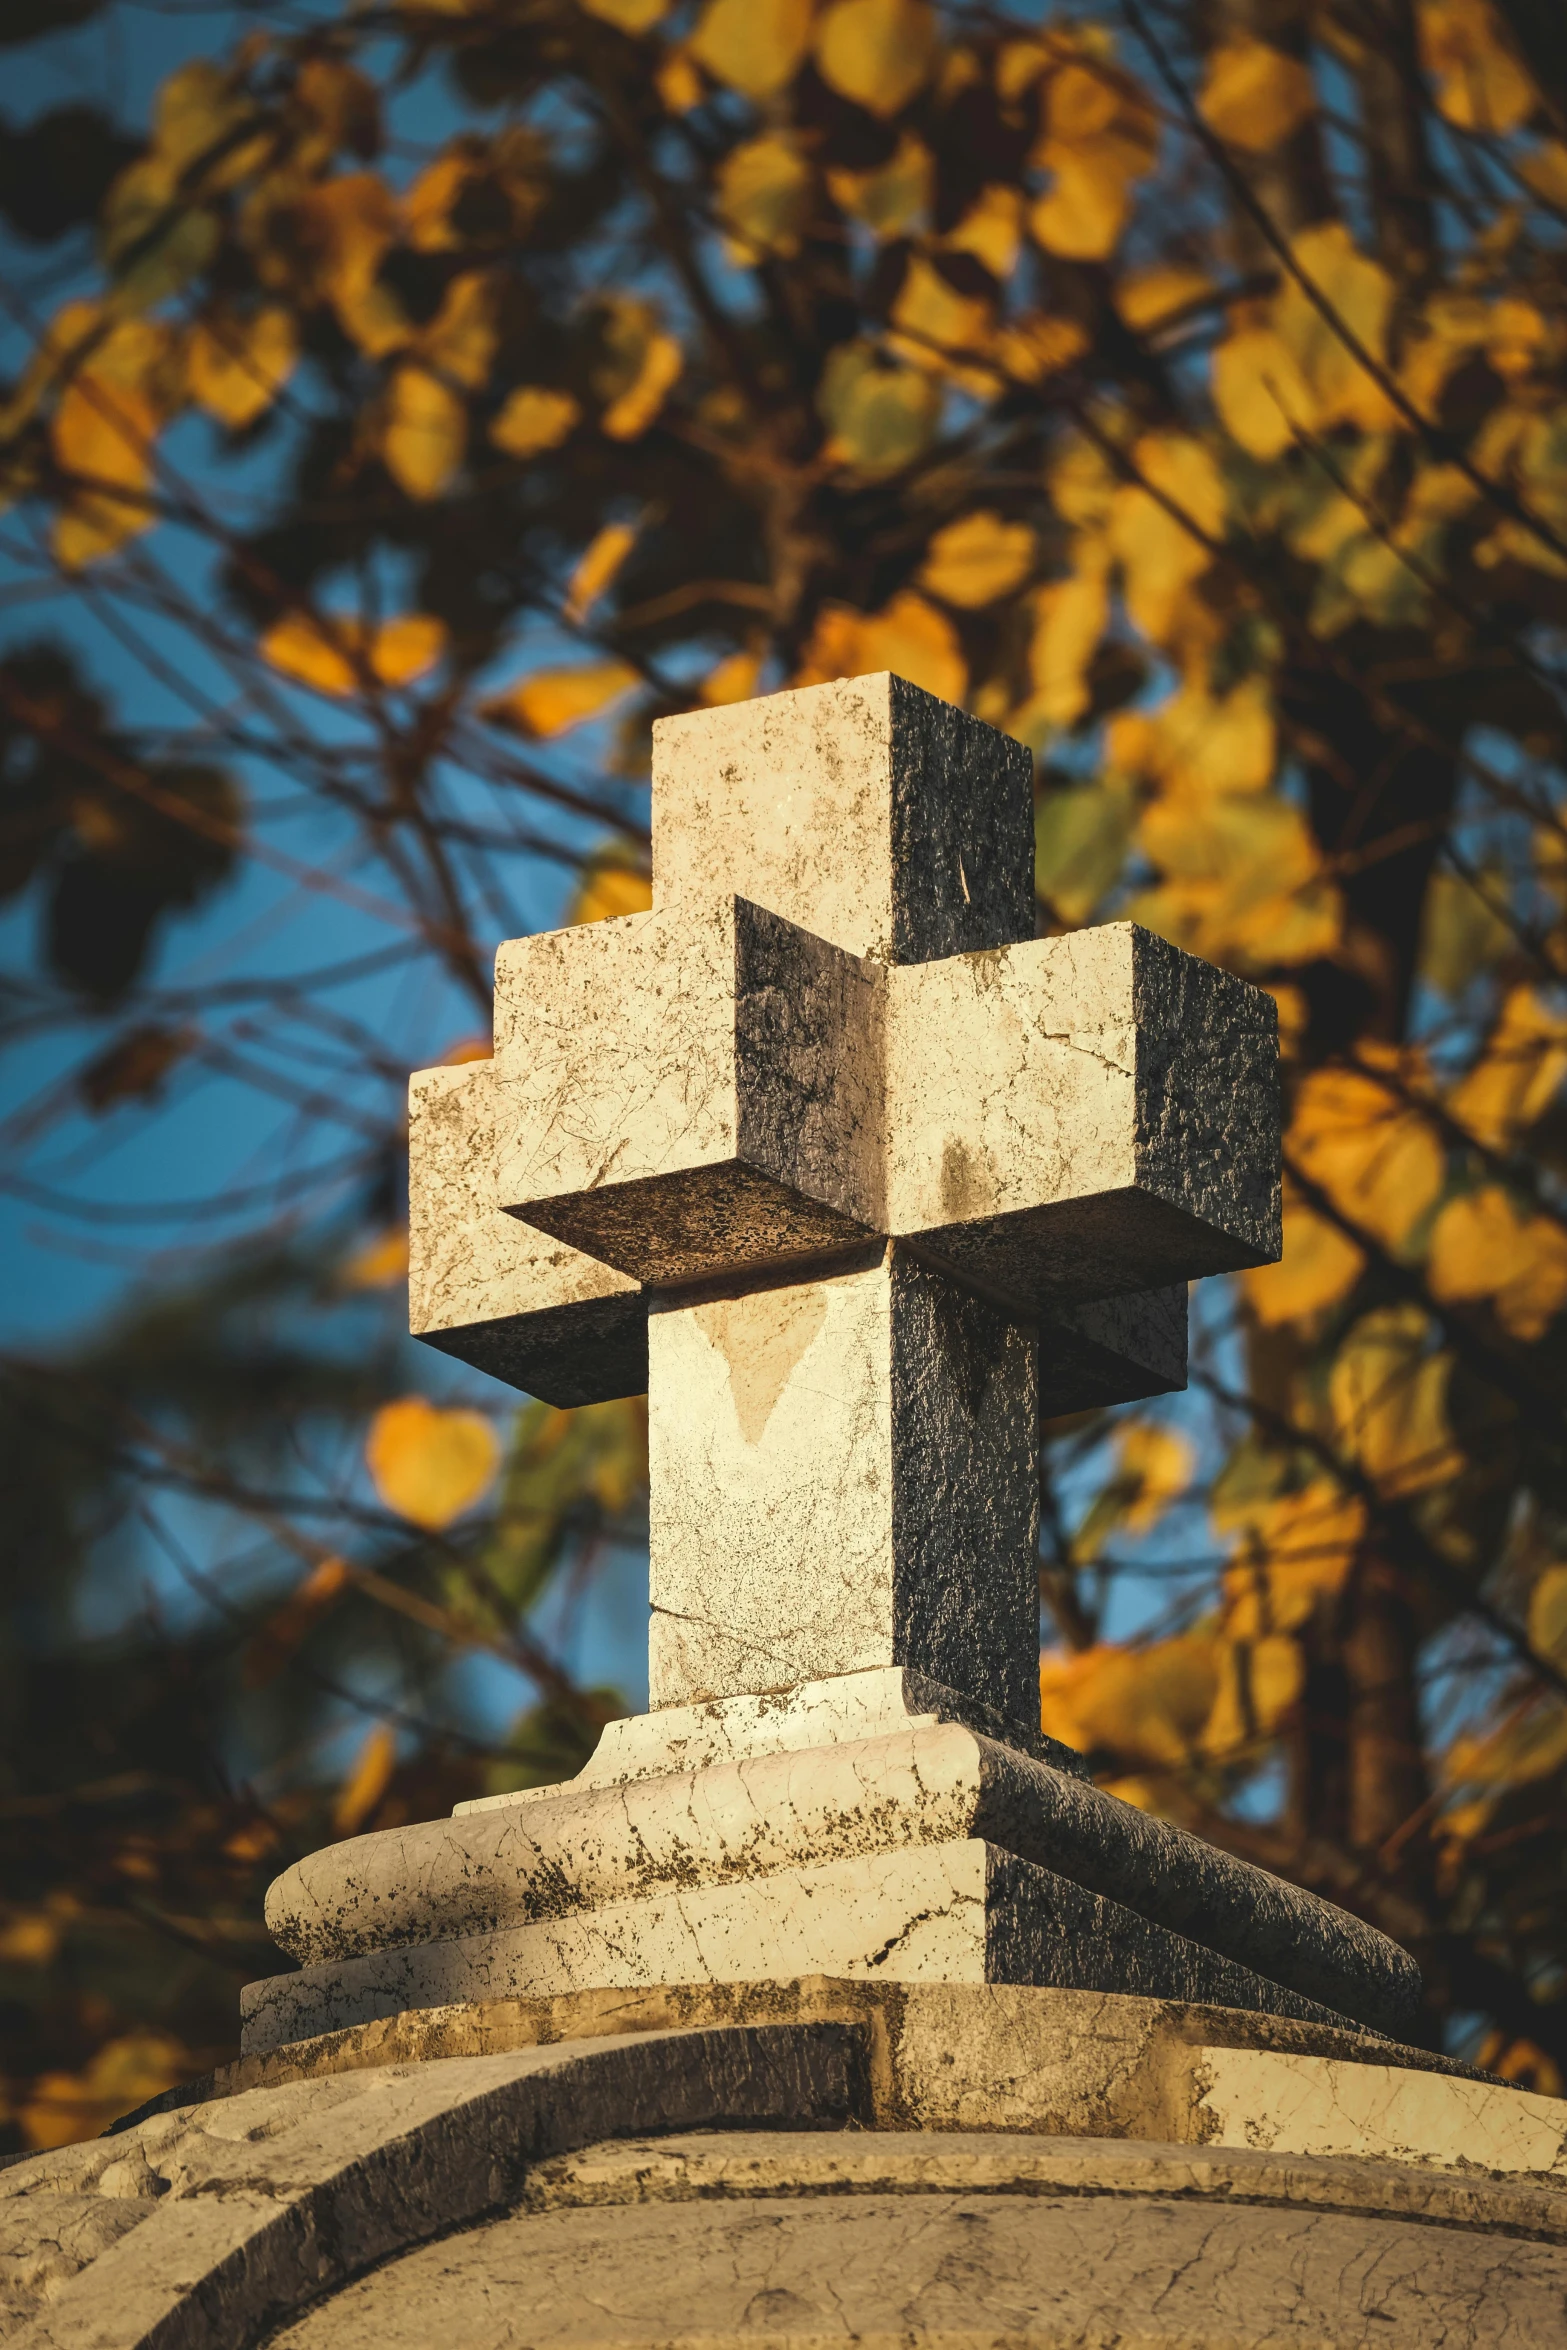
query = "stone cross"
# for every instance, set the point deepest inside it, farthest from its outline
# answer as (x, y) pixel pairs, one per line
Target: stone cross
(854, 1176)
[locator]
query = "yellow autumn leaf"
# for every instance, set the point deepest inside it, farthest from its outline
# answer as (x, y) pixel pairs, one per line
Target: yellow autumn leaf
(1545, 171)
(1373, 1152)
(628, 416)
(1028, 349)
(533, 419)
(348, 224)
(1548, 1613)
(30, 1937)
(312, 655)
(880, 417)
(379, 1262)
(678, 83)
(1145, 1705)
(1524, 1746)
(425, 432)
(1387, 1392)
(328, 653)
(609, 890)
(1082, 483)
(914, 641)
(834, 647)
(1198, 744)
(1254, 96)
(235, 367)
(1318, 1269)
(1294, 1550)
(877, 52)
(460, 339)
(755, 46)
(734, 680)
(895, 197)
(551, 700)
(1359, 295)
(429, 1464)
(1517, 1076)
(1259, 391)
(1475, 1245)
(62, 2107)
(1148, 298)
(1518, 338)
(1100, 137)
(1157, 532)
(1243, 882)
(765, 189)
(428, 200)
(467, 1048)
(991, 230)
(108, 419)
(367, 1780)
(977, 559)
(597, 567)
(1159, 1462)
(1081, 215)
(1482, 1247)
(629, 16)
(939, 328)
(1071, 616)
(1461, 932)
(1258, 1682)
(1082, 101)
(1018, 66)
(1480, 82)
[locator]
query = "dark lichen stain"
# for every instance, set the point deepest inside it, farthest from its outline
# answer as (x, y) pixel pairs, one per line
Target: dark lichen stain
(963, 1188)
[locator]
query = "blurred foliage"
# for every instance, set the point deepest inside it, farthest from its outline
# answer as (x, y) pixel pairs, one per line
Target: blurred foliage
(1185, 391)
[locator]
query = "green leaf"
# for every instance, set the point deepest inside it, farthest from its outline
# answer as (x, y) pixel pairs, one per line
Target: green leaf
(881, 417)
(1460, 934)
(1081, 837)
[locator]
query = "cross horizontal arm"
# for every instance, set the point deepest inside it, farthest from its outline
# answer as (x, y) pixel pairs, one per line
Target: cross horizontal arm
(694, 1095)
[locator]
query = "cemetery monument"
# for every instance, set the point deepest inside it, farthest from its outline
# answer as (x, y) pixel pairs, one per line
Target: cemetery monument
(830, 1999)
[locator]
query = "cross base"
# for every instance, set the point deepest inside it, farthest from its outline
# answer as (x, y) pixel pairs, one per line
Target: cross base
(872, 1825)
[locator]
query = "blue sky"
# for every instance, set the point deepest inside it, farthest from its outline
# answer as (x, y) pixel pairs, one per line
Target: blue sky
(143, 1187)
(132, 1176)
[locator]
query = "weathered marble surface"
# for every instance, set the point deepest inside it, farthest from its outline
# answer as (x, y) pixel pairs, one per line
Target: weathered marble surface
(1112, 1350)
(709, 1088)
(885, 821)
(498, 1294)
(733, 1824)
(843, 1474)
(1266, 2098)
(1046, 2167)
(882, 1702)
(992, 2056)
(1186, 2256)
(249, 2207)
(963, 1911)
(1080, 1117)
(689, 1092)
(683, 2169)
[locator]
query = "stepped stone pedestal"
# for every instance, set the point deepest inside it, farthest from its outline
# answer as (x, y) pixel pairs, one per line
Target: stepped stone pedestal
(830, 2000)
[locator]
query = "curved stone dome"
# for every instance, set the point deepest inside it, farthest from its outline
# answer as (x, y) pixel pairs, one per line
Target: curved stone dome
(910, 2239)
(801, 2164)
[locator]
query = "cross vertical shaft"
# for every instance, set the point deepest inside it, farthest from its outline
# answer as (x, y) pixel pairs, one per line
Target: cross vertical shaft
(844, 1467)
